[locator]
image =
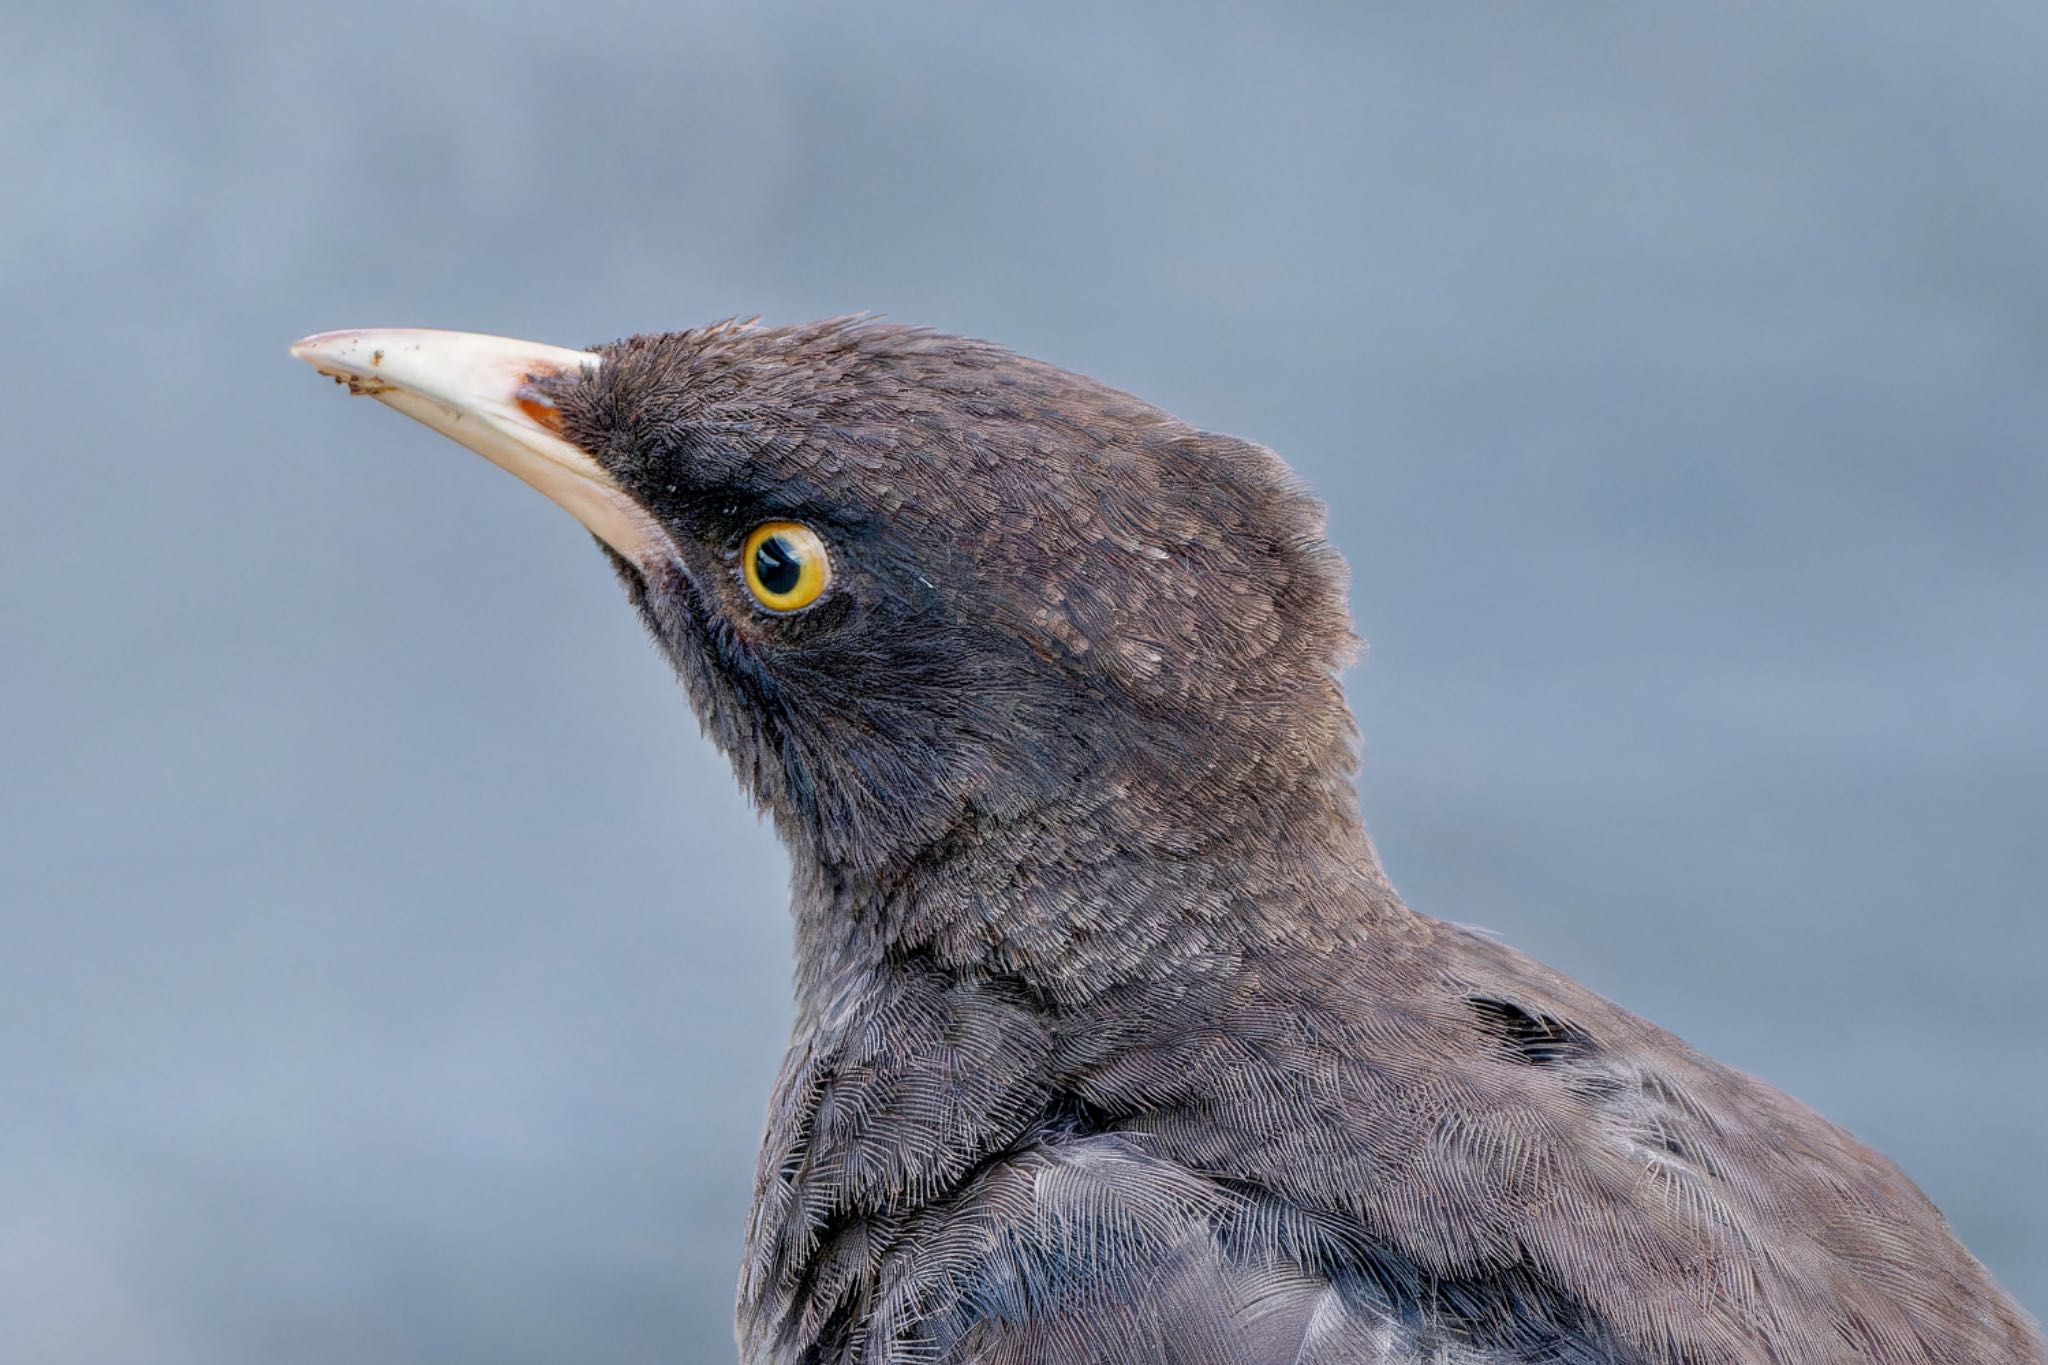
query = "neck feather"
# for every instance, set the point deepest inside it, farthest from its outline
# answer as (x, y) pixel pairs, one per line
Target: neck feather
(1104, 888)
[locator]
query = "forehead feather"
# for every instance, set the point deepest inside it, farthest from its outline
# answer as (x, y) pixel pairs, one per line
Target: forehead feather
(849, 400)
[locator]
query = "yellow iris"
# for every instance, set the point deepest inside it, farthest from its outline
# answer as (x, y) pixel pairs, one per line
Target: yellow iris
(786, 565)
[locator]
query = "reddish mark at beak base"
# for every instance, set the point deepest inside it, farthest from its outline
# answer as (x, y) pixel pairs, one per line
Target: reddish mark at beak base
(538, 407)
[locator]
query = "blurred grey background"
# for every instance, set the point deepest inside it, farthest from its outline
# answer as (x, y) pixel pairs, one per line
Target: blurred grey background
(387, 970)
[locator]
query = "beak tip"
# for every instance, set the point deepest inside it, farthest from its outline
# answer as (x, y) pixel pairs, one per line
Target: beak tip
(325, 345)
(349, 357)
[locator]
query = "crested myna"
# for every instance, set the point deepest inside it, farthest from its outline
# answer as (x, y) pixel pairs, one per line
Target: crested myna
(1113, 1044)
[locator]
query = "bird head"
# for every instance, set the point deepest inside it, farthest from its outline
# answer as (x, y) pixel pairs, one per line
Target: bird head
(915, 583)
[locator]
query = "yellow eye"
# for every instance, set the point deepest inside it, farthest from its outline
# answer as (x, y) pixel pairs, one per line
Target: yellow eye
(786, 565)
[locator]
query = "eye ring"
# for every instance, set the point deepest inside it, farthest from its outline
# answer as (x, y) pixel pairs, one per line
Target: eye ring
(786, 565)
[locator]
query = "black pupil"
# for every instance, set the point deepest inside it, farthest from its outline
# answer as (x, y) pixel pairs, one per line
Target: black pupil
(777, 566)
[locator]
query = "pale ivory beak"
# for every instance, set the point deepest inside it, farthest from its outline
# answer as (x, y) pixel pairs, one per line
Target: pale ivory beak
(479, 391)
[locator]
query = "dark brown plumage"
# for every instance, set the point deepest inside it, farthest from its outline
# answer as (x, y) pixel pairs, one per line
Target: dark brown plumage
(1113, 1043)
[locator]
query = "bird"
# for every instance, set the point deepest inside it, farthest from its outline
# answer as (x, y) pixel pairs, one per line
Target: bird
(1113, 1042)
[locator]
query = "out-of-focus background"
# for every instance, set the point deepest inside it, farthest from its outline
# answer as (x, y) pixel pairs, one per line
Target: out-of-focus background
(387, 970)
